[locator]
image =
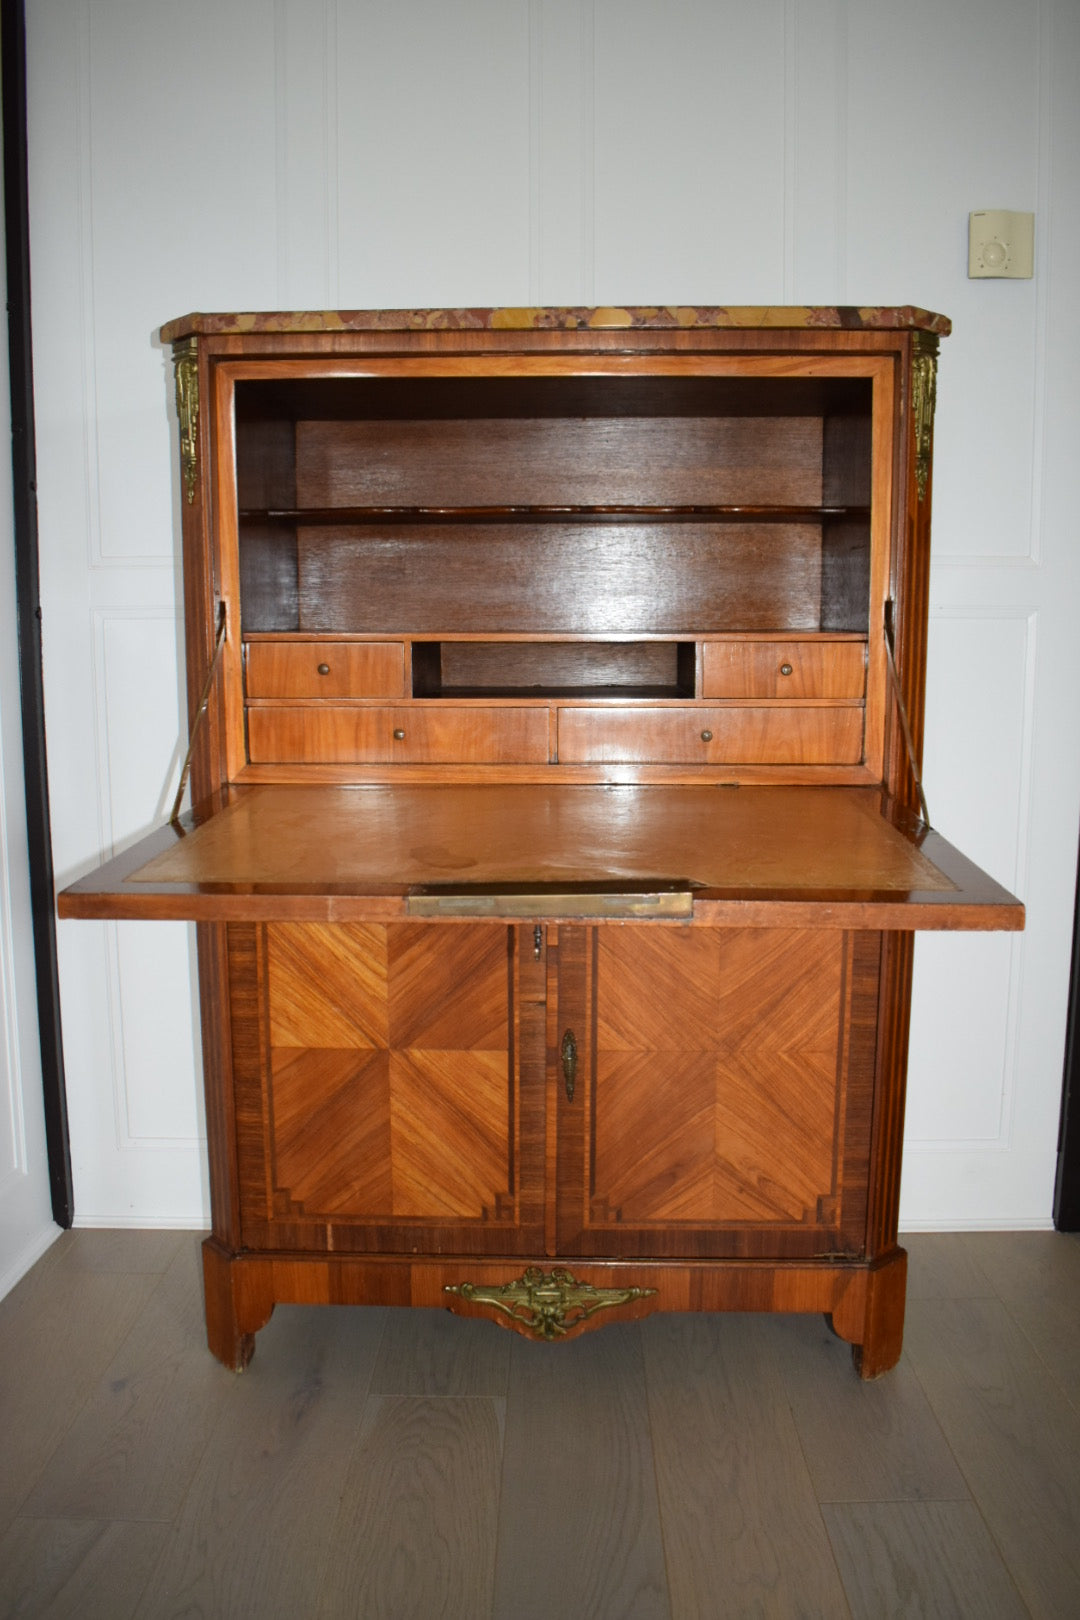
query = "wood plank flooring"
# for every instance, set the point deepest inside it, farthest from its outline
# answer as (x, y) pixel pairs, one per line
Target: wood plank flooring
(403, 1464)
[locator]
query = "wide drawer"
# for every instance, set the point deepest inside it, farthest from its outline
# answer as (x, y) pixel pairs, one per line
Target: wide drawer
(325, 669)
(400, 734)
(815, 735)
(783, 669)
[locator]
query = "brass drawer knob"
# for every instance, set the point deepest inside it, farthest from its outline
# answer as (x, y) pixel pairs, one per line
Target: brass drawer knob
(324, 669)
(785, 669)
(706, 736)
(399, 734)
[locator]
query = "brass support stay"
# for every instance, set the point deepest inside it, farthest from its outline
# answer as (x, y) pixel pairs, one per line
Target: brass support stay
(204, 699)
(901, 709)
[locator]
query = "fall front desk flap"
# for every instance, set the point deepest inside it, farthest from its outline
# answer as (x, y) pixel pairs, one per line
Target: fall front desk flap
(739, 856)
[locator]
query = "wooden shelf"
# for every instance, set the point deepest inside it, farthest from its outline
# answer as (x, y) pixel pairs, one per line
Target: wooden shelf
(324, 515)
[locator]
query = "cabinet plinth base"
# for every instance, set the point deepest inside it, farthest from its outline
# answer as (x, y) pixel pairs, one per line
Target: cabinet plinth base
(874, 1326)
(863, 1301)
(239, 1301)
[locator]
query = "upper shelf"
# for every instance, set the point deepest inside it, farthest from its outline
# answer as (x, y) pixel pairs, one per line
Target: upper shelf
(546, 514)
(683, 317)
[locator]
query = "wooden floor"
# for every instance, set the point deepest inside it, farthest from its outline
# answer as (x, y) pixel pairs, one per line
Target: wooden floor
(388, 1463)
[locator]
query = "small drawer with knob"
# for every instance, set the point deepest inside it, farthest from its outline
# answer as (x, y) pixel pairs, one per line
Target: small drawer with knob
(752, 734)
(784, 669)
(325, 669)
(399, 734)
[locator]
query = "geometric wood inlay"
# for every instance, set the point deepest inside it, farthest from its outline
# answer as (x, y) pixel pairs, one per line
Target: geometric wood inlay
(390, 1071)
(717, 1075)
(331, 1131)
(327, 984)
(449, 1123)
(448, 986)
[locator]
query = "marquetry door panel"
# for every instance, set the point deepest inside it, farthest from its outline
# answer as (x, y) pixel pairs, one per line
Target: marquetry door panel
(724, 1100)
(380, 1072)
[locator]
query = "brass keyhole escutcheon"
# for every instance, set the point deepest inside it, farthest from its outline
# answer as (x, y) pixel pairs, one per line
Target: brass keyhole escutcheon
(324, 669)
(785, 669)
(568, 1052)
(399, 734)
(706, 736)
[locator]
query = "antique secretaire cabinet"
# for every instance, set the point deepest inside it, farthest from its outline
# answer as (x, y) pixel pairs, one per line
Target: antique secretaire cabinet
(556, 847)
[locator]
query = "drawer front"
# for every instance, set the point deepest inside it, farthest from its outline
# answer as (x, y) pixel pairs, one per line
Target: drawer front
(400, 735)
(325, 669)
(744, 736)
(783, 669)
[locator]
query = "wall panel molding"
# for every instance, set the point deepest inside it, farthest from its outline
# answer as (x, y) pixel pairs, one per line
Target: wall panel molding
(983, 974)
(306, 156)
(139, 738)
(319, 152)
(817, 166)
(84, 166)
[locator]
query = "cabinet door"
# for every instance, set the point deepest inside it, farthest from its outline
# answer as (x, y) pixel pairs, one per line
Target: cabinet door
(723, 1096)
(389, 1086)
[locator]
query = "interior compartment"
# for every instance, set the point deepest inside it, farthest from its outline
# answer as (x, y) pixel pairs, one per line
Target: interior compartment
(574, 578)
(639, 669)
(678, 504)
(589, 461)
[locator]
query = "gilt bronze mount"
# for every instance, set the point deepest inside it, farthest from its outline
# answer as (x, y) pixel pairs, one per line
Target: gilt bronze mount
(186, 360)
(547, 1304)
(923, 400)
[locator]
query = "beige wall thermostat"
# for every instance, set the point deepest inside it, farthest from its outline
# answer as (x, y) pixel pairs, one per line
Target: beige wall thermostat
(1001, 243)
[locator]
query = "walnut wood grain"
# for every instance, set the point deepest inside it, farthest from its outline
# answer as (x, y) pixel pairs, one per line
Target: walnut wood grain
(744, 735)
(258, 1280)
(325, 669)
(639, 576)
(783, 669)
(593, 460)
(424, 733)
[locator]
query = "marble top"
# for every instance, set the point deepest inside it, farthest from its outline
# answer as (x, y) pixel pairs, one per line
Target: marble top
(686, 317)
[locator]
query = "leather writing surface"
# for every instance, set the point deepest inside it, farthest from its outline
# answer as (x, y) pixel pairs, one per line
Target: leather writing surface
(757, 838)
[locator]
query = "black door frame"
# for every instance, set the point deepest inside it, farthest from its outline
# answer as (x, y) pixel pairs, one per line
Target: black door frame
(28, 606)
(1067, 1183)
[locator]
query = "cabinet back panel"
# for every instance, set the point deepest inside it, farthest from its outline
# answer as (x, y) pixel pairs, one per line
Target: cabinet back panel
(266, 464)
(575, 578)
(628, 461)
(845, 574)
(846, 461)
(477, 398)
(268, 578)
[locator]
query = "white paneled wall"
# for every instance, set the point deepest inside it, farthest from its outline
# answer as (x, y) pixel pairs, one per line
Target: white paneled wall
(366, 153)
(26, 1224)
